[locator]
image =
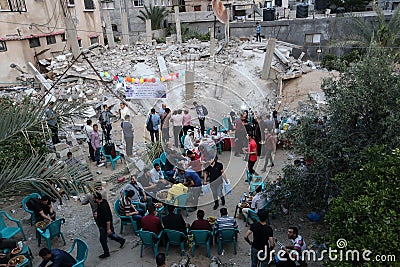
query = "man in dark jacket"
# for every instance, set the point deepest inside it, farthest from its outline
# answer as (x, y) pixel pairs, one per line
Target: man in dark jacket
(105, 224)
(58, 257)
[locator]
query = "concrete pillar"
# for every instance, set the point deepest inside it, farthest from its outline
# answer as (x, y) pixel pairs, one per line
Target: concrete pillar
(124, 23)
(178, 26)
(72, 39)
(149, 36)
(189, 86)
(212, 42)
(109, 32)
(268, 58)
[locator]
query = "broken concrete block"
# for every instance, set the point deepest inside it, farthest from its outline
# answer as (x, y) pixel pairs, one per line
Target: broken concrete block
(60, 146)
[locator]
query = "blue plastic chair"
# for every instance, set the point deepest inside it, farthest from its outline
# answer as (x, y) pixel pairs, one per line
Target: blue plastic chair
(51, 231)
(254, 185)
(250, 178)
(227, 235)
(163, 158)
(82, 250)
(9, 232)
(124, 219)
(181, 203)
(253, 215)
(24, 201)
(208, 131)
(109, 158)
(175, 238)
(201, 237)
(157, 160)
(218, 145)
(150, 239)
(225, 125)
(183, 140)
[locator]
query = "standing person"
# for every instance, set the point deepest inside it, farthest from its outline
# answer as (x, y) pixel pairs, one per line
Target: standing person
(123, 111)
(51, 119)
(240, 135)
(105, 122)
(95, 142)
(258, 135)
(270, 147)
(165, 118)
(127, 130)
(88, 198)
(215, 172)
(263, 240)
(269, 124)
(58, 257)
(162, 109)
(202, 112)
(105, 224)
(258, 32)
(177, 120)
(88, 130)
(252, 152)
(155, 121)
(186, 121)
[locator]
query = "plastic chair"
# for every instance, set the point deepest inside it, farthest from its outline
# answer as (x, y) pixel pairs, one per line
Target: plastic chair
(82, 250)
(110, 159)
(8, 232)
(225, 125)
(124, 219)
(201, 237)
(227, 235)
(24, 201)
(253, 215)
(250, 178)
(175, 238)
(181, 199)
(183, 140)
(208, 131)
(50, 232)
(150, 239)
(254, 185)
(157, 160)
(218, 145)
(163, 158)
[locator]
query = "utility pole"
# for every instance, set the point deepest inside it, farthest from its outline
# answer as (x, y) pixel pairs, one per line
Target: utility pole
(178, 25)
(124, 22)
(70, 28)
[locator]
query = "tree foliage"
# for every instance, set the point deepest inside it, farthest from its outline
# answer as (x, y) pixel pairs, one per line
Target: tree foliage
(362, 112)
(26, 162)
(156, 14)
(367, 213)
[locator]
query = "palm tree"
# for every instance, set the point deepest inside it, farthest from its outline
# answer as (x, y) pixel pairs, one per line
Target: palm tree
(26, 163)
(156, 14)
(366, 32)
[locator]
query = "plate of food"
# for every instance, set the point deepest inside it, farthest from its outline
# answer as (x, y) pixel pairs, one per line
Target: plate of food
(162, 195)
(16, 260)
(16, 251)
(245, 205)
(211, 219)
(41, 225)
(158, 205)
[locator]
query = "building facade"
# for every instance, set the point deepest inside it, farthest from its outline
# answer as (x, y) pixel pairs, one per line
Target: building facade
(33, 30)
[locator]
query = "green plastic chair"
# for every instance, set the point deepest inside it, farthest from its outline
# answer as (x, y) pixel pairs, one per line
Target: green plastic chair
(124, 219)
(109, 157)
(225, 125)
(201, 237)
(175, 238)
(227, 235)
(253, 215)
(150, 239)
(163, 158)
(157, 160)
(182, 200)
(33, 218)
(51, 231)
(82, 250)
(8, 232)
(250, 178)
(254, 185)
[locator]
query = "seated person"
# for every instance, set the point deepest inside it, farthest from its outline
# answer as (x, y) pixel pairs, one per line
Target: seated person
(224, 221)
(146, 182)
(189, 140)
(258, 201)
(195, 162)
(157, 176)
(179, 175)
(214, 131)
(151, 222)
(177, 189)
(42, 208)
(58, 257)
(160, 260)
(6, 245)
(200, 223)
(293, 253)
(174, 221)
(139, 196)
(126, 208)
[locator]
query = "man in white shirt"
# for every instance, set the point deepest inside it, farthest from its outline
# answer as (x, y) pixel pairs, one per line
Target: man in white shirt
(157, 176)
(257, 203)
(188, 141)
(88, 130)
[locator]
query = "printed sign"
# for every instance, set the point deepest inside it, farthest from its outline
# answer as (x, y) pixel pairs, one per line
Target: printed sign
(145, 90)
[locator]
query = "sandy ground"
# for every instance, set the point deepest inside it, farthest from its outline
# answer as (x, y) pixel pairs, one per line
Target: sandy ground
(241, 87)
